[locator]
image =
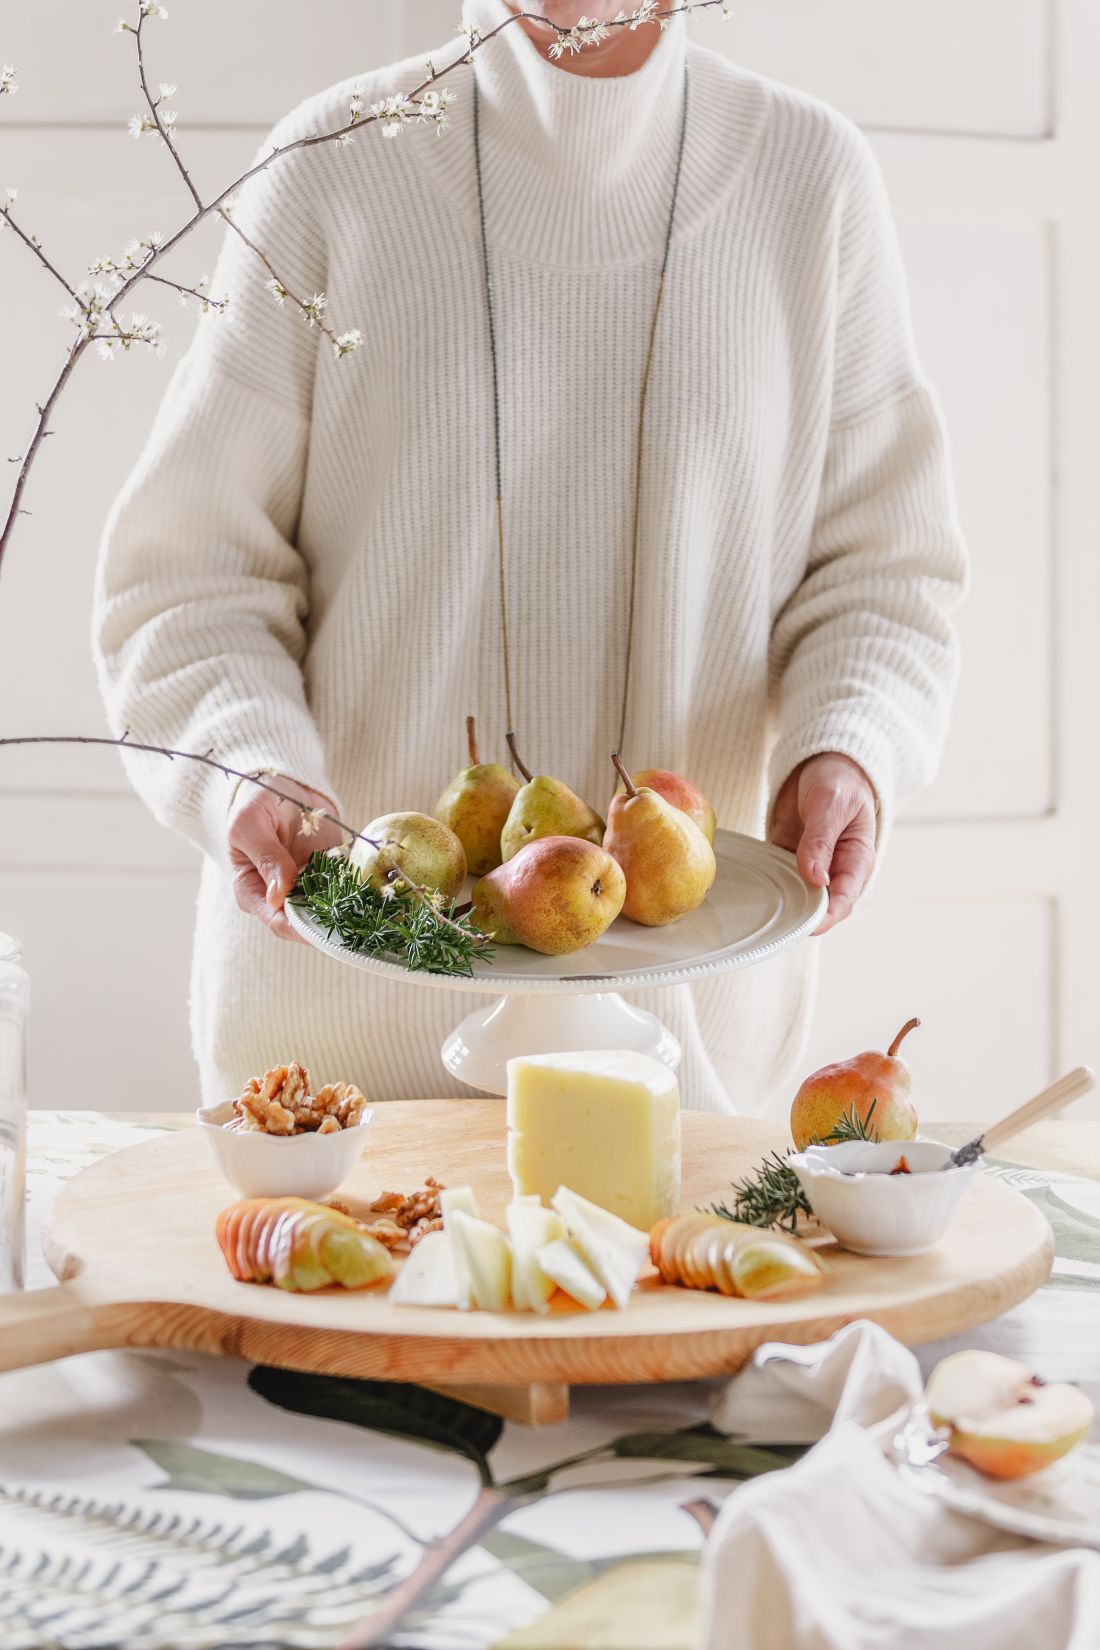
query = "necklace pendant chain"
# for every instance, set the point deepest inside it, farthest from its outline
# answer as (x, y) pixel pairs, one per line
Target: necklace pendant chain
(640, 431)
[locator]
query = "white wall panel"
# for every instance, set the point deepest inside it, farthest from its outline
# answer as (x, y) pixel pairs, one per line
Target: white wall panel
(976, 285)
(976, 971)
(107, 954)
(978, 66)
(242, 63)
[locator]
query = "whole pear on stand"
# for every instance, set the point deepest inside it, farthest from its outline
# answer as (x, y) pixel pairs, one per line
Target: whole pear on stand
(475, 806)
(545, 807)
(871, 1079)
(556, 895)
(669, 863)
(417, 847)
(682, 793)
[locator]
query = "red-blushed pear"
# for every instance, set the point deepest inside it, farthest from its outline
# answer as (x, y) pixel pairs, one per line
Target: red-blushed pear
(475, 806)
(556, 895)
(545, 807)
(682, 793)
(1004, 1419)
(669, 863)
(871, 1079)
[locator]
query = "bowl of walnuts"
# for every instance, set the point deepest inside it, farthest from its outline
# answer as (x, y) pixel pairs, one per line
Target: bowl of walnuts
(280, 1139)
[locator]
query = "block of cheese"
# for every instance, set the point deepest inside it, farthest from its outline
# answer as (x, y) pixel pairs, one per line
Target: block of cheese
(605, 1123)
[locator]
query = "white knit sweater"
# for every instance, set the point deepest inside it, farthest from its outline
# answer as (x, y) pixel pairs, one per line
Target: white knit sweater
(301, 570)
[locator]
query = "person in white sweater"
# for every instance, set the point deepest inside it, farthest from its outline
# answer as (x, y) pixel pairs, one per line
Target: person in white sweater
(301, 571)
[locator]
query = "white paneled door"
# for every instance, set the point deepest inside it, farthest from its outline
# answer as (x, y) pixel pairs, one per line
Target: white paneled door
(985, 119)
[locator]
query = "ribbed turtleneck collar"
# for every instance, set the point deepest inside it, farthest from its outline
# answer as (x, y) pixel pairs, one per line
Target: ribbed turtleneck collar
(577, 170)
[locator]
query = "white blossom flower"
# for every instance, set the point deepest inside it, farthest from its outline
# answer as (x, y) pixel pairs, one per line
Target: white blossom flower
(311, 820)
(356, 104)
(11, 195)
(166, 91)
(392, 113)
(646, 13)
(473, 40)
(153, 8)
(432, 109)
(277, 290)
(346, 342)
(122, 27)
(343, 141)
(314, 308)
(8, 85)
(168, 119)
(586, 31)
(138, 125)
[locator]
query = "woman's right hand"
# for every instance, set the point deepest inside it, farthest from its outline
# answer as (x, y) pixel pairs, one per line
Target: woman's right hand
(268, 847)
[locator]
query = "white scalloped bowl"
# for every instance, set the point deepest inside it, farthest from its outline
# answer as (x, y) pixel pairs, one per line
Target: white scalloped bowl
(272, 1165)
(872, 1212)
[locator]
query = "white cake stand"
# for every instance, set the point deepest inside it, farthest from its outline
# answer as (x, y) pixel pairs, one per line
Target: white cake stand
(759, 905)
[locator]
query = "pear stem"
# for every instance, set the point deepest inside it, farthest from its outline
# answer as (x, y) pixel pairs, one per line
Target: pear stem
(910, 1025)
(516, 758)
(616, 759)
(471, 741)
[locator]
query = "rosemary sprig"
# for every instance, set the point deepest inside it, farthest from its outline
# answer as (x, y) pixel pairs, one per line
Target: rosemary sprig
(773, 1196)
(399, 923)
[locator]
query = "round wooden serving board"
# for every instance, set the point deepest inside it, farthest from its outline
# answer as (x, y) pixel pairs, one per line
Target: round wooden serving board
(132, 1239)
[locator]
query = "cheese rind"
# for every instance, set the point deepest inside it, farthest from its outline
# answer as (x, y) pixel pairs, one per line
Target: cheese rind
(605, 1123)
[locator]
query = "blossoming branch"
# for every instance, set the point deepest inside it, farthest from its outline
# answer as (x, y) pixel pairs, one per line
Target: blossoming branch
(94, 303)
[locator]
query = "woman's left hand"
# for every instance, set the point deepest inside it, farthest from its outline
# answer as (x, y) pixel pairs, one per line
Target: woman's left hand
(825, 814)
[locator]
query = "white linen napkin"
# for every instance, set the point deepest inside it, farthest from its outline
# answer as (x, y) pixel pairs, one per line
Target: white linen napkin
(838, 1553)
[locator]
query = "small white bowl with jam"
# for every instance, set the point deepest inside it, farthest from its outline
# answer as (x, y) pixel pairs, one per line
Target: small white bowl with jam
(883, 1197)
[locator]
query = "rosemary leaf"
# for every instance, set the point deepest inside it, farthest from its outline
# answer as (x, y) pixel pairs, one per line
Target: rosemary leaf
(399, 924)
(773, 1195)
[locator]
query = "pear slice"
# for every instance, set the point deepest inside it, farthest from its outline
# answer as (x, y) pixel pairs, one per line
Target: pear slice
(531, 1228)
(483, 1251)
(614, 1251)
(427, 1278)
(564, 1264)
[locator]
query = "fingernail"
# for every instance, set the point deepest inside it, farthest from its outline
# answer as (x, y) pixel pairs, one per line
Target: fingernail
(820, 871)
(272, 891)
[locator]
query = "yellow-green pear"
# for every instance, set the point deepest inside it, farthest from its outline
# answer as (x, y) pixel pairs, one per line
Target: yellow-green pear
(475, 806)
(668, 862)
(545, 807)
(556, 895)
(415, 846)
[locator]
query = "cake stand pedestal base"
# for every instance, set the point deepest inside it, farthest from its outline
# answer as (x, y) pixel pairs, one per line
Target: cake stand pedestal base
(478, 1050)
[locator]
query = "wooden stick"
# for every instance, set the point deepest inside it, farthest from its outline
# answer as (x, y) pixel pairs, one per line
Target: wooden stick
(1072, 1086)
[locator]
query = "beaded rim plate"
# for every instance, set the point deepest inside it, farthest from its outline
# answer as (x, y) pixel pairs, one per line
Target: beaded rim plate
(759, 905)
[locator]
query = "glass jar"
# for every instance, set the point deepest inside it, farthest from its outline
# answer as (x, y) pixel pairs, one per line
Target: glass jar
(14, 997)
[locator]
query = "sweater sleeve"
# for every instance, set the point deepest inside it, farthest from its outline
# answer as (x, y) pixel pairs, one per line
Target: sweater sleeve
(864, 654)
(202, 594)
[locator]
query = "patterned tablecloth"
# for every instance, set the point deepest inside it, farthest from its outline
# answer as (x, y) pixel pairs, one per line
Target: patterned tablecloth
(170, 1501)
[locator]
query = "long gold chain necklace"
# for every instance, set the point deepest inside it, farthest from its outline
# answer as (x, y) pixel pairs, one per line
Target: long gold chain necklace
(640, 434)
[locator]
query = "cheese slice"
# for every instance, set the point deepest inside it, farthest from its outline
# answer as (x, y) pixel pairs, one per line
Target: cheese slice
(530, 1228)
(562, 1262)
(427, 1278)
(605, 1123)
(615, 1251)
(452, 1200)
(482, 1252)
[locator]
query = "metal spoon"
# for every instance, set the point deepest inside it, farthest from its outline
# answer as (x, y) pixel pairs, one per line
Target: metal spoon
(1072, 1086)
